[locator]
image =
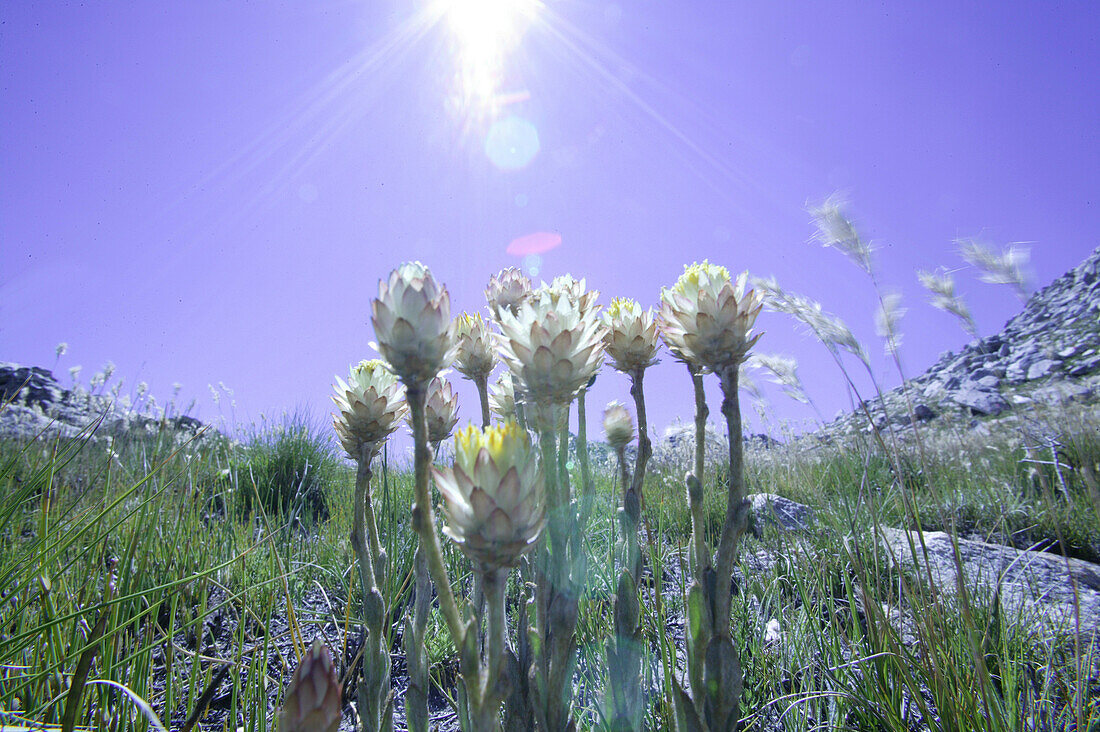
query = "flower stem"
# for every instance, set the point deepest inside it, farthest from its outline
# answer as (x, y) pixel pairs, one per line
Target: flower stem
(423, 518)
(736, 506)
(482, 383)
(695, 493)
(373, 691)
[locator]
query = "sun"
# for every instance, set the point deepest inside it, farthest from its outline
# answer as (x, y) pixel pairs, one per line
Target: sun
(485, 33)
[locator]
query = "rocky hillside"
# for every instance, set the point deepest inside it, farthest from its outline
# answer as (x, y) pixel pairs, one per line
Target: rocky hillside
(1048, 353)
(33, 403)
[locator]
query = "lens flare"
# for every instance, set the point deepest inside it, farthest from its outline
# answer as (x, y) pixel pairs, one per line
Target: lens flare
(486, 31)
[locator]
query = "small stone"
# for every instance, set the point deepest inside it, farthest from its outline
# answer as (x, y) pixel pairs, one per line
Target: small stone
(988, 382)
(788, 515)
(1042, 368)
(923, 412)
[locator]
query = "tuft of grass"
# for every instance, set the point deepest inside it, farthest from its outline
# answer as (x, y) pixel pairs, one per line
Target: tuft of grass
(287, 465)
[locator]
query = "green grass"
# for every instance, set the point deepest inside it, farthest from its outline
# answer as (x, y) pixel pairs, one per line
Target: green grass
(168, 546)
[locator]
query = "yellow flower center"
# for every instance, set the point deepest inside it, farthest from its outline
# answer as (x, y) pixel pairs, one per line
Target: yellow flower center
(622, 307)
(502, 441)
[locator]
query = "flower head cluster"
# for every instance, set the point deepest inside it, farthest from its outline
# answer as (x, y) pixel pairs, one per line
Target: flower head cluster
(706, 318)
(631, 336)
(440, 409)
(412, 321)
(475, 355)
(494, 494)
(618, 425)
(371, 405)
(507, 289)
(552, 345)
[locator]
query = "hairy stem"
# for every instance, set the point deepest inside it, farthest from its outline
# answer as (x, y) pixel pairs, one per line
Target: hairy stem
(482, 383)
(373, 691)
(736, 506)
(701, 555)
(423, 518)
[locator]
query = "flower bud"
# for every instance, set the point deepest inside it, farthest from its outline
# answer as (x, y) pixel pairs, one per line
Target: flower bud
(618, 426)
(312, 701)
(631, 335)
(502, 396)
(507, 289)
(440, 409)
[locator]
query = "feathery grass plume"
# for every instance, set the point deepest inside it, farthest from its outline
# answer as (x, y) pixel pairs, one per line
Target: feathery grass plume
(506, 290)
(836, 230)
(441, 409)
(1005, 268)
(709, 318)
(312, 701)
(887, 317)
(826, 327)
(747, 382)
(783, 371)
(412, 321)
(476, 356)
(941, 285)
(371, 406)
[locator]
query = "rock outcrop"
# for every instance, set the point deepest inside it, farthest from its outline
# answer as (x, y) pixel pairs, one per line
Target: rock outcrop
(33, 404)
(1048, 353)
(1036, 588)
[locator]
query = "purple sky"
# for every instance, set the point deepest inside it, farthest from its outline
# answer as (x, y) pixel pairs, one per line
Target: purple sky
(210, 191)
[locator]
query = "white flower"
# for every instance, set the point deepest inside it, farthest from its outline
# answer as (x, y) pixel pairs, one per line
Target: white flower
(552, 346)
(412, 321)
(440, 409)
(475, 356)
(706, 319)
(494, 494)
(506, 290)
(371, 406)
(502, 396)
(631, 336)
